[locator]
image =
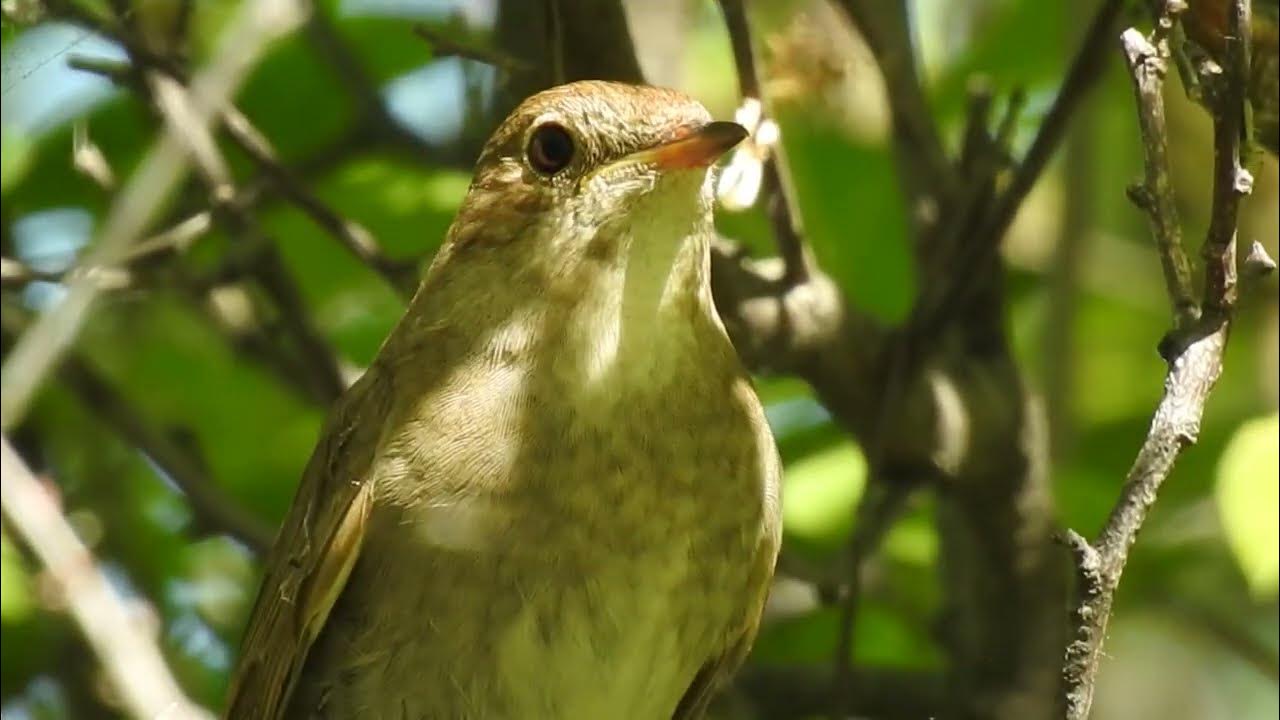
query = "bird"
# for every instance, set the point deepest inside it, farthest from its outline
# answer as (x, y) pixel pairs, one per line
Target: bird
(553, 493)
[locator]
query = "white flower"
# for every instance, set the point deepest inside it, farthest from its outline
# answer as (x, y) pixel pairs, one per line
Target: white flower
(739, 181)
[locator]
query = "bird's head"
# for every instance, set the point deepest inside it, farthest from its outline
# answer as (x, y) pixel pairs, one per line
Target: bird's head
(573, 169)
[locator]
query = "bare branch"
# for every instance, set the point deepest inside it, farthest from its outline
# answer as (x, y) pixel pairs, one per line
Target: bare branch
(1085, 72)
(975, 229)
(37, 351)
(1147, 65)
(1195, 363)
(132, 661)
(444, 46)
(213, 509)
(1175, 425)
(788, 231)
(1231, 181)
(927, 176)
(401, 276)
(878, 509)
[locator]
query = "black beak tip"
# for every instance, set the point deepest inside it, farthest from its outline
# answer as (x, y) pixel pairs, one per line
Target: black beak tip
(728, 133)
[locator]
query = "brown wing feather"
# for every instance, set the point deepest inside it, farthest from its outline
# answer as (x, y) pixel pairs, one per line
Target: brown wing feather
(313, 555)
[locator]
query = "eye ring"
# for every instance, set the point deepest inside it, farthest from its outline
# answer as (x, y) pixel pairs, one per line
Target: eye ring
(550, 149)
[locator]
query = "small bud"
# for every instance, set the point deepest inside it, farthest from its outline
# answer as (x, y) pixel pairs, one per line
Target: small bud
(1258, 264)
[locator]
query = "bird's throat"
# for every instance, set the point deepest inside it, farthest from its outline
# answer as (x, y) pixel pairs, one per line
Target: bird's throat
(641, 318)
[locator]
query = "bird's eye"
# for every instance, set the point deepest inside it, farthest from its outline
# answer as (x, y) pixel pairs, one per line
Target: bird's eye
(550, 149)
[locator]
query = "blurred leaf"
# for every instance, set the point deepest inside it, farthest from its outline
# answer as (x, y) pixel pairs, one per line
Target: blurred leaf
(219, 581)
(16, 157)
(884, 639)
(15, 583)
(186, 378)
(296, 100)
(1249, 501)
(853, 215)
(820, 492)
(407, 208)
(913, 540)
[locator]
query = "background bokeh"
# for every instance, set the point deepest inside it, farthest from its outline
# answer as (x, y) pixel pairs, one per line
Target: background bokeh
(1195, 632)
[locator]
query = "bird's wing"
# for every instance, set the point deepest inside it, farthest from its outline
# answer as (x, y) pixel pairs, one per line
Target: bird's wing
(313, 555)
(717, 671)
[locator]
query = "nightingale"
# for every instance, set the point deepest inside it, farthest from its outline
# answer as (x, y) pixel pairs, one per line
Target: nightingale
(553, 493)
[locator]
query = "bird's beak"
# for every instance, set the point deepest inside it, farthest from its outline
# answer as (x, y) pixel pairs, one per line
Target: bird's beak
(699, 148)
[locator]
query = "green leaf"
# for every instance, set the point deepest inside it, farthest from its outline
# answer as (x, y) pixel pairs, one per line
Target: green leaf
(820, 491)
(1248, 498)
(884, 638)
(15, 157)
(853, 215)
(15, 584)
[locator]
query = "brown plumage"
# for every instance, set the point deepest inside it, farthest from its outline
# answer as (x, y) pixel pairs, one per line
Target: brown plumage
(553, 494)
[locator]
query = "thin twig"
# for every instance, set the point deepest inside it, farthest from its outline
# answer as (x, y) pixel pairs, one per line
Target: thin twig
(1195, 363)
(177, 239)
(133, 662)
(879, 508)
(176, 106)
(1231, 180)
(401, 276)
(984, 229)
(444, 46)
(1085, 72)
(360, 85)
(213, 510)
(927, 177)
(788, 231)
(160, 81)
(555, 42)
(38, 350)
(1147, 65)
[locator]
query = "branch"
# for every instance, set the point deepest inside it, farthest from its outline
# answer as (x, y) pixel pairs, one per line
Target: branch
(133, 662)
(1195, 363)
(1230, 180)
(401, 276)
(927, 177)
(877, 511)
(176, 104)
(787, 693)
(593, 43)
(213, 509)
(248, 33)
(1147, 65)
(1086, 70)
(330, 45)
(976, 231)
(788, 231)
(444, 46)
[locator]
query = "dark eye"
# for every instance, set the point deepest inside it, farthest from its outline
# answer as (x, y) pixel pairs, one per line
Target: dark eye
(550, 149)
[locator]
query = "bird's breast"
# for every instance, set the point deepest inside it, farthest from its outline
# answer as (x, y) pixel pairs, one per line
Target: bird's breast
(553, 562)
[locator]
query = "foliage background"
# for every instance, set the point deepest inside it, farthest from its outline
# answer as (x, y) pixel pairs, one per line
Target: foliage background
(1195, 635)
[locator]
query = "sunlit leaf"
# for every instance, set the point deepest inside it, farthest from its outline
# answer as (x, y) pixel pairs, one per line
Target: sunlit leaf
(820, 492)
(15, 583)
(884, 638)
(16, 154)
(1249, 501)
